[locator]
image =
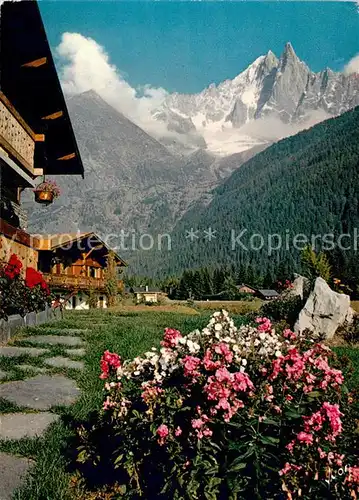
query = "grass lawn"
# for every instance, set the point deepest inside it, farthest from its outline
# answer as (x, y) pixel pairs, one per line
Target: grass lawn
(127, 331)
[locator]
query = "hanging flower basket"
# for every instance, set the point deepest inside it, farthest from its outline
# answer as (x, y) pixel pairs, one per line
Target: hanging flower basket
(46, 192)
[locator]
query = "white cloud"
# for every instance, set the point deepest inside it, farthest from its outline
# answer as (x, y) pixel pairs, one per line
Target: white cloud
(352, 66)
(86, 65)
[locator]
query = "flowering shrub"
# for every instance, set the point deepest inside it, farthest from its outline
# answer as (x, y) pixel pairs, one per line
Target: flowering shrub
(284, 285)
(283, 309)
(19, 295)
(227, 413)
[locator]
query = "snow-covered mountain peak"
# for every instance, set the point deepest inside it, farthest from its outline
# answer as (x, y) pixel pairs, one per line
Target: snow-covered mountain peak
(270, 99)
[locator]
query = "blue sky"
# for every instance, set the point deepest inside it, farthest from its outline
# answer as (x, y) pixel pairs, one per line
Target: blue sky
(183, 47)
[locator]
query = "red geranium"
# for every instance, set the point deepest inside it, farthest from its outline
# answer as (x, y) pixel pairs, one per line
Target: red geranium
(34, 278)
(13, 267)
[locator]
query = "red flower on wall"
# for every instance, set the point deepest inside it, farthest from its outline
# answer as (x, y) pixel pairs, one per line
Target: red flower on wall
(13, 267)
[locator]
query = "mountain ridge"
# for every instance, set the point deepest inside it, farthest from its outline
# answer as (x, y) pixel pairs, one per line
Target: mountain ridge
(282, 89)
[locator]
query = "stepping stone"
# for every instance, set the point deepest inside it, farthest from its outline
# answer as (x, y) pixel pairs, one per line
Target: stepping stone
(55, 340)
(30, 368)
(40, 392)
(61, 362)
(3, 375)
(75, 352)
(25, 425)
(12, 474)
(13, 352)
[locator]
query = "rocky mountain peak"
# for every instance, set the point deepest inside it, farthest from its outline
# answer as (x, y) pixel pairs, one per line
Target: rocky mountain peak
(284, 89)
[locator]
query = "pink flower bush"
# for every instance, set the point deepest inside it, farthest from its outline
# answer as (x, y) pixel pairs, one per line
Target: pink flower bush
(248, 397)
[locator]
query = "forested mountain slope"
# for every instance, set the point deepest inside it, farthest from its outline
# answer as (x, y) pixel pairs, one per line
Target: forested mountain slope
(308, 183)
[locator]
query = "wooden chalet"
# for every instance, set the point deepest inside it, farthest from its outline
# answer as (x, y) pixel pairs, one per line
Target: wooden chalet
(36, 135)
(37, 139)
(74, 267)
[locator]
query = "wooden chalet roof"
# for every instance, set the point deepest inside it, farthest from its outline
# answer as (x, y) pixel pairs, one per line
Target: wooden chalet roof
(67, 240)
(29, 79)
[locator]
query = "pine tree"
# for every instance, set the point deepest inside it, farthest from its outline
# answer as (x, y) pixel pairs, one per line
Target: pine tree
(111, 279)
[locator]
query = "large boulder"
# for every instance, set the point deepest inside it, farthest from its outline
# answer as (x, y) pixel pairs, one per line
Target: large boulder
(325, 311)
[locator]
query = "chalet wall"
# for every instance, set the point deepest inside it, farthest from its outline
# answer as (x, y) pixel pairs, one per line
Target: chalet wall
(27, 255)
(79, 302)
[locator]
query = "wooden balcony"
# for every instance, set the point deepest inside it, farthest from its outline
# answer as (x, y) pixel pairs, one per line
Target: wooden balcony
(63, 281)
(17, 139)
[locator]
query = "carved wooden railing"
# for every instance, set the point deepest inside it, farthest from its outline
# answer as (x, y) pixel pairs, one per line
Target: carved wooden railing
(76, 282)
(17, 139)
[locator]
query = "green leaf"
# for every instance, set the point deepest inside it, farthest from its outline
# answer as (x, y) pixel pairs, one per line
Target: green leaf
(314, 394)
(269, 440)
(269, 421)
(238, 467)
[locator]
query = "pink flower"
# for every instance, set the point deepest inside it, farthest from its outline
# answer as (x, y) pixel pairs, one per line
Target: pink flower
(178, 431)
(109, 361)
(171, 337)
(288, 334)
(223, 375)
(191, 364)
(163, 432)
(314, 422)
(290, 446)
(242, 382)
(264, 325)
(353, 476)
(208, 363)
(197, 423)
(305, 437)
(223, 349)
(333, 414)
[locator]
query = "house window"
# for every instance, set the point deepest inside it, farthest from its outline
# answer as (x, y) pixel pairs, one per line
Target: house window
(92, 272)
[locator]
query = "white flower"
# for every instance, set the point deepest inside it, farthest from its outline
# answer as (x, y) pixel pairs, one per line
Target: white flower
(242, 369)
(137, 372)
(244, 362)
(193, 346)
(278, 354)
(218, 327)
(262, 335)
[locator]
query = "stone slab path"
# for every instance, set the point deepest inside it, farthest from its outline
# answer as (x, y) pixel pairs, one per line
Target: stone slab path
(37, 394)
(61, 362)
(12, 473)
(13, 352)
(20, 425)
(41, 392)
(66, 340)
